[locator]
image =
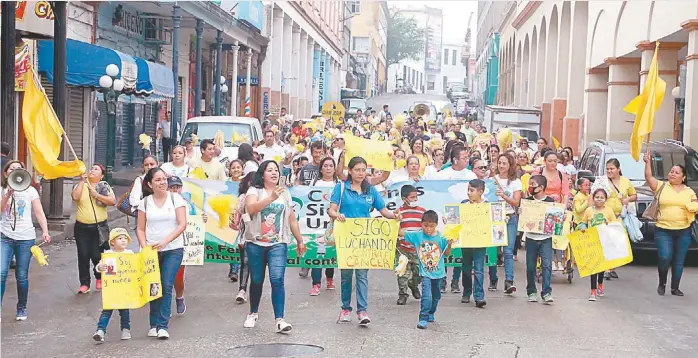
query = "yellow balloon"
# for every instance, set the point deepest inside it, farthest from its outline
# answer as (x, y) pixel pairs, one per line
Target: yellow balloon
(504, 138)
(223, 206)
(399, 121)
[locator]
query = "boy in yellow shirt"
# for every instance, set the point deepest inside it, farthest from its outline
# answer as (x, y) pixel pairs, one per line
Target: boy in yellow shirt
(594, 216)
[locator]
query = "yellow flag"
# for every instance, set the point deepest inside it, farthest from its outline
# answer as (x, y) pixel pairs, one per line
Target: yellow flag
(45, 134)
(645, 105)
(556, 143)
(198, 173)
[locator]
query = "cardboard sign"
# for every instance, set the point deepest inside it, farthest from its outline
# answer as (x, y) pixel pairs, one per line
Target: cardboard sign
(539, 217)
(481, 225)
(366, 243)
(601, 248)
(130, 280)
(378, 154)
(194, 236)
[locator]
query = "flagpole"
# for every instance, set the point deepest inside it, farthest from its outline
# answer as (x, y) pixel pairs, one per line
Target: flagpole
(65, 136)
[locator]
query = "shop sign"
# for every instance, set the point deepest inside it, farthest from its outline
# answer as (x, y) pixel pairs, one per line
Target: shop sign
(34, 17)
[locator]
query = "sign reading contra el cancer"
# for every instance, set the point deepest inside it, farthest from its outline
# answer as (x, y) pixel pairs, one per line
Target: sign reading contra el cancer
(366, 243)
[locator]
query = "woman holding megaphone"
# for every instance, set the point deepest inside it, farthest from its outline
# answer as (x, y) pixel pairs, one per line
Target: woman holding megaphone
(18, 233)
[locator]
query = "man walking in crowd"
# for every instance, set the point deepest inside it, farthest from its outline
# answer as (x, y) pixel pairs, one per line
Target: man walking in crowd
(213, 168)
(165, 125)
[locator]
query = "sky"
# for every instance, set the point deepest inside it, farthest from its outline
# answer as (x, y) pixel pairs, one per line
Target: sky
(456, 15)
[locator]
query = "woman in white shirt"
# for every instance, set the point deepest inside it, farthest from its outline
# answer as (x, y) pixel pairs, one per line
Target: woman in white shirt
(149, 162)
(18, 234)
(328, 179)
(177, 167)
(432, 171)
(268, 233)
(162, 218)
(509, 191)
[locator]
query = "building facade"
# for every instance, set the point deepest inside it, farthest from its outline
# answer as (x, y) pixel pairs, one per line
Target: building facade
(491, 16)
(601, 52)
(453, 68)
(369, 43)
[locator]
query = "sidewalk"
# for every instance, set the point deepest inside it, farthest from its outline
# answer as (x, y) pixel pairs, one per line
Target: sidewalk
(122, 183)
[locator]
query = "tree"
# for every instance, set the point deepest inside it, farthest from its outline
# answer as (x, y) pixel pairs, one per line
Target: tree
(405, 38)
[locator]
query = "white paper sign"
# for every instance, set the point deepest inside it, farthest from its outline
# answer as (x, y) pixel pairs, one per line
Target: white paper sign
(194, 236)
(614, 241)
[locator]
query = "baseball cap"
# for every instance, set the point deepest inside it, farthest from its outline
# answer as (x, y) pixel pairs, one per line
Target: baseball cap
(340, 136)
(173, 180)
(116, 232)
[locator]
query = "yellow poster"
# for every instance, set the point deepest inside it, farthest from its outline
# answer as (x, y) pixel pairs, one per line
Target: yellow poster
(366, 243)
(130, 280)
(378, 154)
(194, 236)
(482, 225)
(539, 217)
(333, 111)
(601, 248)
(561, 242)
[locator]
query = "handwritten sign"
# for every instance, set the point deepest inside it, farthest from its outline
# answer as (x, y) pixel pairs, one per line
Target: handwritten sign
(194, 237)
(561, 242)
(601, 248)
(366, 243)
(539, 217)
(481, 225)
(378, 154)
(130, 280)
(333, 111)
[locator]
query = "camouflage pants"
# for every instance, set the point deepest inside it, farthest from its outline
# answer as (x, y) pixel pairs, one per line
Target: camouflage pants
(411, 278)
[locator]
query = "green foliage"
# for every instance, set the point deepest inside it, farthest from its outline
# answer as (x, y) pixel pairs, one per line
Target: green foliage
(405, 38)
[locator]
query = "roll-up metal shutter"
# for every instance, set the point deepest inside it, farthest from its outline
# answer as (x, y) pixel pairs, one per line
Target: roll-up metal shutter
(100, 139)
(74, 123)
(135, 128)
(124, 119)
(180, 115)
(151, 123)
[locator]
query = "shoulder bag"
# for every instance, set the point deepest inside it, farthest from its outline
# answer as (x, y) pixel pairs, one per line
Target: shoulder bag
(652, 210)
(124, 202)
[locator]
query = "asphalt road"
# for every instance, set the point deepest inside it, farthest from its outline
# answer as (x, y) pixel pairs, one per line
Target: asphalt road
(631, 321)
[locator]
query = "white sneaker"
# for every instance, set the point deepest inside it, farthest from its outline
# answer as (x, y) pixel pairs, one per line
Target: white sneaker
(241, 297)
(125, 334)
(153, 332)
(283, 326)
(251, 320)
(162, 334)
(98, 336)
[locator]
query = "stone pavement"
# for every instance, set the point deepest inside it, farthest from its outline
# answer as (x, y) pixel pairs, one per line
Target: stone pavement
(631, 321)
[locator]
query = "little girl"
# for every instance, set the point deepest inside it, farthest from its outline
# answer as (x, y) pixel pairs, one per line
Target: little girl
(595, 216)
(581, 200)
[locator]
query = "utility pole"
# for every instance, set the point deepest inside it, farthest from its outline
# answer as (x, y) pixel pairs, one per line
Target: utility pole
(7, 66)
(60, 26)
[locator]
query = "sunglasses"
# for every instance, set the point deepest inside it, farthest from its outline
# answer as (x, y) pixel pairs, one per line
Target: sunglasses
(482, 167)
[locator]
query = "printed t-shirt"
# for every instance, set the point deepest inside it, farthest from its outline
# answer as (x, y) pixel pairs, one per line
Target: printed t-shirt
(534, 236)
(673, 214)
(450, 174)
(160, 222)
(357, 205)
(272, 218)
(430, 251)
(625, 189)
(275, 152)
(509, 186)
(171, 170)
(308, 173)
(411, 221)
(595, 217)
(19, 215)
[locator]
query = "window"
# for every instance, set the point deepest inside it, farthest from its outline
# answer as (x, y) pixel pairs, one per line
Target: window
(355, 7)
(430, 86)
(361, 44)
(455, 53)
(445, 56)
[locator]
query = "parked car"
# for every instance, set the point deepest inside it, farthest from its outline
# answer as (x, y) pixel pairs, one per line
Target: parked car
(665, 154)
(207, 127)
(352, 105)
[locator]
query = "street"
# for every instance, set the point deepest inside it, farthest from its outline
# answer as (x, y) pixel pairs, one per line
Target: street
(401, 102)
(632, 320)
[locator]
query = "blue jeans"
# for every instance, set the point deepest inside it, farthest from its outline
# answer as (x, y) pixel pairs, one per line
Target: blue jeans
(458, 273)
(21, 249)
(161, 308)
(671, 244)
(125, 316)
(512, 225)
(430, 297)
(258, 258)
(361, 289)
(544, 248)
(316, 274)
(474, 258)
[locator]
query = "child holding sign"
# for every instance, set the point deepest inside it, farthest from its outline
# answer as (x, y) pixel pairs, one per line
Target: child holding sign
(118, 241)
(474, 258)
(431, 246)
(411, 221)
(539, 245)
(595, 216)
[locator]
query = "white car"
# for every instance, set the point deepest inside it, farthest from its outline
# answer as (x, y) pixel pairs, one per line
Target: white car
(207, 127)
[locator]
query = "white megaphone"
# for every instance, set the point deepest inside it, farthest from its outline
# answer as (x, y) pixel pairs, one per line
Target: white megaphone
(19, 180)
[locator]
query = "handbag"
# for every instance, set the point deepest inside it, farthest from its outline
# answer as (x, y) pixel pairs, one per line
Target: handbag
(652, 211)
(124, 203)
(329, 232)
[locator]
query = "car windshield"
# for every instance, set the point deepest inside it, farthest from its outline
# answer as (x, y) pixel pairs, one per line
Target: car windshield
(457, 88)
(208, 130)
(664, 161)
(357, 104)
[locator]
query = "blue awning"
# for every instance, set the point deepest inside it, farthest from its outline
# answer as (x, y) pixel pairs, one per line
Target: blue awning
(86, 63)
(154, 79)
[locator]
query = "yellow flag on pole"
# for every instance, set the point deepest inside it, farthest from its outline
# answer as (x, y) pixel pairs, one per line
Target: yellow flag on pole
(45, 134)
(645, 105)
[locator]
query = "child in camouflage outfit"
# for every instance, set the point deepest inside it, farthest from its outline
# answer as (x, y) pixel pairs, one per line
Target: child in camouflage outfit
(411, 221)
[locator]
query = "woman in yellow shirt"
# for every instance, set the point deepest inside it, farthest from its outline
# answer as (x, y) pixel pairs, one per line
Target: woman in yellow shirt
(677, 208)
(596, 215)
(92, 197)
(417, 148)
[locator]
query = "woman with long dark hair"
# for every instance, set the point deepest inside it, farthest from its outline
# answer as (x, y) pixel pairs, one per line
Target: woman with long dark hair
(354, 198)
(162, 218)
(246, 155)
(509, 190)
(328, 178)
(18, 234)
(268, 233)
(417, 148)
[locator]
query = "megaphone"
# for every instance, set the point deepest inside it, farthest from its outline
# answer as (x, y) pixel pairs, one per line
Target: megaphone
(19, 180)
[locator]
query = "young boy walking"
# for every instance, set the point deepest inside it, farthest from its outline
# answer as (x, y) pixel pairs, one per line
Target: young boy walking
(539, 245)
(411, 221)
(431, 246)
(118, 241)
(474, 258)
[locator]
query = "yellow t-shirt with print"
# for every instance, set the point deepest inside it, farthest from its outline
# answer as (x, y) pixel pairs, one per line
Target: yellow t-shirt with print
(595, 217)
(673, 213)
(625, 188)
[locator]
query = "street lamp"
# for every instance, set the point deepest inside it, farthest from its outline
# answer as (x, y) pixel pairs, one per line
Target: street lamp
(111, 88)
(679, 107)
